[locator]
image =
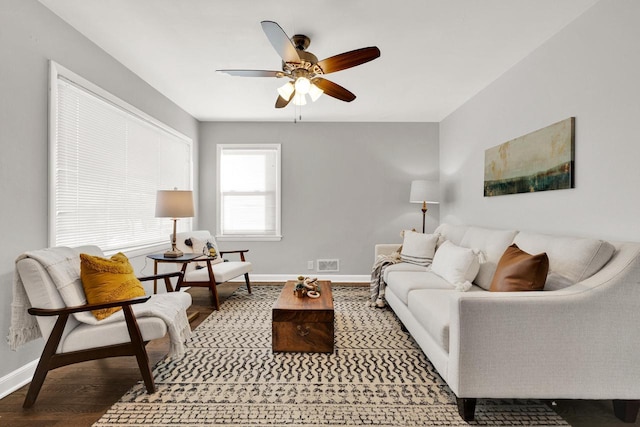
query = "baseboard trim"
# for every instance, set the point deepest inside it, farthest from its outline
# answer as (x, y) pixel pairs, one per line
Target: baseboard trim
(335, 278)
(18, 378)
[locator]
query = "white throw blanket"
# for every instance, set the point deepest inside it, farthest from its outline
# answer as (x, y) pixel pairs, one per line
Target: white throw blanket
(63, 266)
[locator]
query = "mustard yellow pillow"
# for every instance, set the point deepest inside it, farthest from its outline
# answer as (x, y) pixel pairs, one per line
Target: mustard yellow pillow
(108, 279)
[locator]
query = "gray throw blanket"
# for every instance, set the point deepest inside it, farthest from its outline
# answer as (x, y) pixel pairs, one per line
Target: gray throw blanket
(378, 285)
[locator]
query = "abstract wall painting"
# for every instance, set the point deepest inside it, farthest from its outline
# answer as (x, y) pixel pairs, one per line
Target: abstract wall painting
(539, 161)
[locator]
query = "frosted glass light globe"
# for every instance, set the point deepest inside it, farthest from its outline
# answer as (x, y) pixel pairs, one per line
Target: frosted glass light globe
(302, 85)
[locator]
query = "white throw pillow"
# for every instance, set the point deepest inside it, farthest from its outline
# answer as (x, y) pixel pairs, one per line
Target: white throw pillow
(418, 248)
(455, 264)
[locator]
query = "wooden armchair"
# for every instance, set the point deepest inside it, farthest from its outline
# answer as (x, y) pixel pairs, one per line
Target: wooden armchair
(210, 272)
(70, 340)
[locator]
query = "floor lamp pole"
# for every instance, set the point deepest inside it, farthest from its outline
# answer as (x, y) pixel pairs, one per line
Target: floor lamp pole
(424, 214)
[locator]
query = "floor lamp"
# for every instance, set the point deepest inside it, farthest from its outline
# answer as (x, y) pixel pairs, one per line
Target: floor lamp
(424, 192)
(174, 204)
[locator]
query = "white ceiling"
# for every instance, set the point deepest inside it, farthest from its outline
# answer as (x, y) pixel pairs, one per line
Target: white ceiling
(436, 54)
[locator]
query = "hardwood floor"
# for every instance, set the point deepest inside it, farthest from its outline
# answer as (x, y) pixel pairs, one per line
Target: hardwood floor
(78, 395)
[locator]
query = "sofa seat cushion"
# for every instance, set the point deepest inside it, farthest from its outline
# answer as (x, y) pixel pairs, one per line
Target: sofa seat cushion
(223, 271)
(403, 282)
(571, 259)
(402, 266)
(431, 308)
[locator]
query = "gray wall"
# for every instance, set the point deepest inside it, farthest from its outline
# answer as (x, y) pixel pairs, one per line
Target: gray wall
(30, 35)
(345, 187)
(589, 70)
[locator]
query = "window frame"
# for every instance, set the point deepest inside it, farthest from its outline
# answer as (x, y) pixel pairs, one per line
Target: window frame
(277, 236)
(55, 72)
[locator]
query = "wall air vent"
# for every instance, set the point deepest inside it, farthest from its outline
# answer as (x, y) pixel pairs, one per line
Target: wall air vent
(328, 265)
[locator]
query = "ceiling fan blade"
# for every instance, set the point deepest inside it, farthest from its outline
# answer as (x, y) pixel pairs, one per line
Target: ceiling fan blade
(349, 59)
(281, 102)
(253, 73)
(280, 41)
(335, 90)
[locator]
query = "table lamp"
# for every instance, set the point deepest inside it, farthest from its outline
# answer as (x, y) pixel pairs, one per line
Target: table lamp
(174, 204)
(424, 192)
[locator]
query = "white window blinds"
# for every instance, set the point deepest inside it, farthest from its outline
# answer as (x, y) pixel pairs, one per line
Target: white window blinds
(249, 191)
(107, 162)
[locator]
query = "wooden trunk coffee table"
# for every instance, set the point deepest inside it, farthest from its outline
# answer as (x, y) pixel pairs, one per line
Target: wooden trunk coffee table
(303, 324)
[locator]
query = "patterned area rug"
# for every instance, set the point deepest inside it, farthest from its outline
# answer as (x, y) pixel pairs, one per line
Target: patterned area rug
(377, 376)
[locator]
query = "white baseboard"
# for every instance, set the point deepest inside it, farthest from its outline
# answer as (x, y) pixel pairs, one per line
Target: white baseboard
(16, 379)
(335, 278)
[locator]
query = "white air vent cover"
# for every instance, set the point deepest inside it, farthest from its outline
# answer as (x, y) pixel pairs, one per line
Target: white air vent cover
(328, 265)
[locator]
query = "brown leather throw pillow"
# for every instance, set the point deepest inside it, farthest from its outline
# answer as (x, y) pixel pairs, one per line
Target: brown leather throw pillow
(520, 271)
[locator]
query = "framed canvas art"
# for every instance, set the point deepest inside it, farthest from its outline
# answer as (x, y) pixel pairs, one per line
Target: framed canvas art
(539, 161)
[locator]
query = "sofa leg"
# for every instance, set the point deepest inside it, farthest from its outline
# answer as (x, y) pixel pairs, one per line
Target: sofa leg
(466, 407)
(626, 410)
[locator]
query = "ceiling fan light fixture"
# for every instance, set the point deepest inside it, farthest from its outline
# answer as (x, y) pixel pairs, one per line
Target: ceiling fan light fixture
(299, 99)
(302, 85)
(286, 90)
(315, 92)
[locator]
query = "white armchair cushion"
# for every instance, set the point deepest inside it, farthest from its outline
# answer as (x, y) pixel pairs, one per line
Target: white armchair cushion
(223, 271)
(86, 336)
(455, 264)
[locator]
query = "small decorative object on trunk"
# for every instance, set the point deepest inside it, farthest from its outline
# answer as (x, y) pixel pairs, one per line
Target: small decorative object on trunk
(307, 286)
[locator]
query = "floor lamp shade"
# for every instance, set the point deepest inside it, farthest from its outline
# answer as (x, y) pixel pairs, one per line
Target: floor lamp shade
(424, 192)
(174, 204)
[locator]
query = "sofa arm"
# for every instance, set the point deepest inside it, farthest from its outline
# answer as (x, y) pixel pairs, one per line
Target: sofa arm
(386, 249)
(573, 343)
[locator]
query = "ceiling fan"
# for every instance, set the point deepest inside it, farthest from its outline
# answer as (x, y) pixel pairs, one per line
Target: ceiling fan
(303, 69)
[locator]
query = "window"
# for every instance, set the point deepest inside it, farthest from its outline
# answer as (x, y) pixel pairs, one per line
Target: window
(248, 192)
(107, 160)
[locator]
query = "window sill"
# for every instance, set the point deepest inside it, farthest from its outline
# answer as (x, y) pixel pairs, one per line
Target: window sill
(248, 238)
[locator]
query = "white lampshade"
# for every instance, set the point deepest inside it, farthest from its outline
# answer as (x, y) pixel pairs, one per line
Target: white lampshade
(315, 92)
(425, 191)
(299, 99)
(286, 90)
(174, 204)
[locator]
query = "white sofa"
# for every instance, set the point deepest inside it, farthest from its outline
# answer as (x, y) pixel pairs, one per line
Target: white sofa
(577, 339)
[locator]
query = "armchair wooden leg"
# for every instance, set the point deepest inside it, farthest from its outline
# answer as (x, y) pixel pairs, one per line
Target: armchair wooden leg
(246, 279)
(45, 361)
(139, 349)
(215, 300)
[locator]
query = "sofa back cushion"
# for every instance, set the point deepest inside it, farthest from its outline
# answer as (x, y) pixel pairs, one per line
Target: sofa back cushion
(492, 243)
(450, 232)
(571, 259)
